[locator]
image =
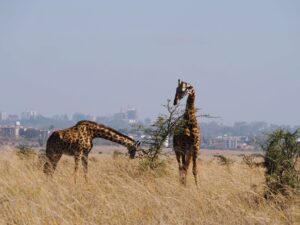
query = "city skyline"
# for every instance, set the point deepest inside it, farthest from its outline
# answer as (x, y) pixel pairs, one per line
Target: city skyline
(241, 57)
(205, 118)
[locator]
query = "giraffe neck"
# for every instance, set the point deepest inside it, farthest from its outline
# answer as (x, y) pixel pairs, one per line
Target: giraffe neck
(110, 134)
(95, 130)
(190, 106)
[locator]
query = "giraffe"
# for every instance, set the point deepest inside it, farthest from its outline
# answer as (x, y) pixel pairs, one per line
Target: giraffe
(186, 138)
(77, 141)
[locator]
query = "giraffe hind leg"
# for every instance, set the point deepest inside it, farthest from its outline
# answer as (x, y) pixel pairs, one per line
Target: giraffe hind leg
(51, 163)
(76, 159)
(195, 154)
(84, 161)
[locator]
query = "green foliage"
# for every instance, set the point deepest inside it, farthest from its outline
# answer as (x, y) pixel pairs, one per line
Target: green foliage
(281, 155)
(159, 132)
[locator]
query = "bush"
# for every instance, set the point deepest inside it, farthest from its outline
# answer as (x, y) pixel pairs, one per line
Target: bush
(281, 155)
(157, 134)
(158, 166)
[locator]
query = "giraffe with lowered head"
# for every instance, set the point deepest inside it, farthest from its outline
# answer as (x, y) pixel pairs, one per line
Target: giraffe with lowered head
(186, 138)
(77, 141)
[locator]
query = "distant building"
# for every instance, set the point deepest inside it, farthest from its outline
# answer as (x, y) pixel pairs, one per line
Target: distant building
(29, 115)
(13, 118)
(79, 116)
(32, 133)
(230, 142)
(63, 117)
(215, 143)
(9, 131)
(102, 119)
(128, 116)
(131, 114)
(3, 116)
(44, 134)
(147, 122)
(119, 116)
(91, 118)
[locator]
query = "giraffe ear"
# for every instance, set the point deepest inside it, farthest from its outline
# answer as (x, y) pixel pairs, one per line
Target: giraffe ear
(179, 82)
(189, 89)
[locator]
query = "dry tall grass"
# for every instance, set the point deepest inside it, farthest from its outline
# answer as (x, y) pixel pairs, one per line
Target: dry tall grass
(120, 191)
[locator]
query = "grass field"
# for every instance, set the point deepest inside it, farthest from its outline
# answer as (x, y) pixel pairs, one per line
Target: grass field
(122, 191)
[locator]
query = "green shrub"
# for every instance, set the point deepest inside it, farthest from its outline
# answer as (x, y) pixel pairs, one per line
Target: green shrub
(281, 156)
(158, 166)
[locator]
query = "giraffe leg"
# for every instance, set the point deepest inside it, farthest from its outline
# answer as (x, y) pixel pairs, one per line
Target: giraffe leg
(77, 159)
(195, 154)
(51, 163)
(178, 154)
(84, 161)
(182, 173)
(180, 160)
(187, 159)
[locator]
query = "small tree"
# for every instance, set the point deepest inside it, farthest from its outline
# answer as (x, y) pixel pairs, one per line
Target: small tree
(161, 130)
(281, 155)
(158, 133)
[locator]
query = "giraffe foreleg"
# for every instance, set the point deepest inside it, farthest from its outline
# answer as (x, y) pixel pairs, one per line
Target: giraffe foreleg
(178, 155)
(76, 159)
(195, 155)
(84, 161)
(186, 158)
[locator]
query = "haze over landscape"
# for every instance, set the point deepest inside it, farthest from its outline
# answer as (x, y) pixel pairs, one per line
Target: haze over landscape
(243, 58)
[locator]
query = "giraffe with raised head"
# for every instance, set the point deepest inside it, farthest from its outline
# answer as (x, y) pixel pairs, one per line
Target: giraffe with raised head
(186, 138)
(77, 141)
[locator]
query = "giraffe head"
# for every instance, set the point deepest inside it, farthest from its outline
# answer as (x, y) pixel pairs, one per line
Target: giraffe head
(133, 149)
(182, 90)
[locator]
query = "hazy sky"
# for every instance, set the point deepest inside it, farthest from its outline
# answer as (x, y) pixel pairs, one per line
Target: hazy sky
(242, 57)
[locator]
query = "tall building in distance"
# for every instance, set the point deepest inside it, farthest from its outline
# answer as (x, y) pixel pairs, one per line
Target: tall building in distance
(3, 116)
(28, 115)
(131, 114)
(230, 142)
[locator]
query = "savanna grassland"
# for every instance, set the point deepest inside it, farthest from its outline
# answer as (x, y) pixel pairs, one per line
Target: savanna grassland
(123, 191)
